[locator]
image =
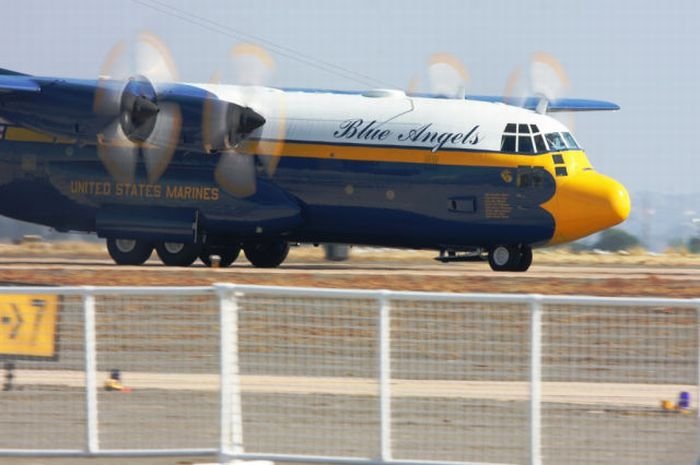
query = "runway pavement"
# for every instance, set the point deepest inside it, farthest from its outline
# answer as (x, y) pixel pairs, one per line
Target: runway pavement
(420, 274)
(603, 395)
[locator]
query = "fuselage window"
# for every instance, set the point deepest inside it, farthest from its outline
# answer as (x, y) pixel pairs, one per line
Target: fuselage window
(523, 129)
(555, 141)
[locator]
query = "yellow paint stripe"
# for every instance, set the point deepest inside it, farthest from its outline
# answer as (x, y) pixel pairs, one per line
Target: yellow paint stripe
(407, 155)
(17, 134)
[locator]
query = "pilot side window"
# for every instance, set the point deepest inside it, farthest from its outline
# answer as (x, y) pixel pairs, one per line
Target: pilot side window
(555, 141)
(570, 141)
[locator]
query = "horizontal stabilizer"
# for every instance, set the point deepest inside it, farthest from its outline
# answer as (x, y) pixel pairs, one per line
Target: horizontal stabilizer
(17, 83)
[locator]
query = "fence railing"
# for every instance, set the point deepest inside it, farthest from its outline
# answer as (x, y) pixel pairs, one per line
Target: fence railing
(348, 376)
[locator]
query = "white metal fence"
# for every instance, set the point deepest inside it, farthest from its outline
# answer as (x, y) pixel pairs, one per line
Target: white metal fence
(351, 377)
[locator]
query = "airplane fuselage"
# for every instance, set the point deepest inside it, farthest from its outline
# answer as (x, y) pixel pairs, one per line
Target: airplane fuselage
(379, 169)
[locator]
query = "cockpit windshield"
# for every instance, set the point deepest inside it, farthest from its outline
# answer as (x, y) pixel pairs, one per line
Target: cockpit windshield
(561, 141)
(527, 139)
(555, 141)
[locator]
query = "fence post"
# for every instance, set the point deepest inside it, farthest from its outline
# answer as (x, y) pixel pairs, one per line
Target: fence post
(697, 386)
(535, 379)
(384, 333)
(231, 441)
(92, 429)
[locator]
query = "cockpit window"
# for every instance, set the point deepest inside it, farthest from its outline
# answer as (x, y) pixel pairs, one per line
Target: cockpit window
(555, 141)
(508, 143)
(561, 141)
(522, 138)
(525, 144)
(539, 143)
(570, 141)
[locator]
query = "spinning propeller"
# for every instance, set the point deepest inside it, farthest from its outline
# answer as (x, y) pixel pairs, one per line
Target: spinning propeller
(252, 127)
(446, 77)
(543, 77)
(142, 122)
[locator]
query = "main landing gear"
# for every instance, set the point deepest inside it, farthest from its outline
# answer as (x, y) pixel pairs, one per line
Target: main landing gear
(178, 253)
(129, 251)
(267, 254)
(510, 258)
(261, 254)
(227, 254)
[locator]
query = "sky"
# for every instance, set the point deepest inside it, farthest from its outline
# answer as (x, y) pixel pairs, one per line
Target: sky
(641, 54)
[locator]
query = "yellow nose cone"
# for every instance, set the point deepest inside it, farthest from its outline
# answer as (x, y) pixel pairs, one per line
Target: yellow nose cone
(585, 203)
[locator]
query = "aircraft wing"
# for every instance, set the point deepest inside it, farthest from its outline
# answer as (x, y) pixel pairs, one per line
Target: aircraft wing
(556, 105)
(17, 83)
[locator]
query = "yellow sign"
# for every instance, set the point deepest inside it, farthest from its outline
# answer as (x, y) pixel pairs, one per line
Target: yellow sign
(28, 325)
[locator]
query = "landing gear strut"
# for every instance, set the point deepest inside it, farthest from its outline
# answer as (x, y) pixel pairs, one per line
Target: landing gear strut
(510, 258)
(129, 251)
(267, 254)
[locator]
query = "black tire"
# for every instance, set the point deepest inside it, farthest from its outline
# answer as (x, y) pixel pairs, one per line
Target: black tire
(268, 254)
(227, 254)
(525, 259)
(177, 253)
(510, 258)
(129, 251)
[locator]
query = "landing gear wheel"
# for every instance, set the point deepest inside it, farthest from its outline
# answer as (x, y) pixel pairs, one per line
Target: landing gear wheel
(177, 253)
(525, 259)
(510, 258)
(129, 251)
(227, 254)
(268, 254)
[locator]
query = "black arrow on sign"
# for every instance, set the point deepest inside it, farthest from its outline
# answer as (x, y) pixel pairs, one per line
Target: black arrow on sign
(20, 321)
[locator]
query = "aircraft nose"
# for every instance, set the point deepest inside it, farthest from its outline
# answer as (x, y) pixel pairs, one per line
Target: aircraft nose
(585, 203)
(619, 201)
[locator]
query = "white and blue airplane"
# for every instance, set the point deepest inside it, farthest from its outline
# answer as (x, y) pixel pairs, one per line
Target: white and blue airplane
(196, 170)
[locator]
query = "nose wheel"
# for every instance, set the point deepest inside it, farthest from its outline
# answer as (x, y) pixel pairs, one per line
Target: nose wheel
(510, 258)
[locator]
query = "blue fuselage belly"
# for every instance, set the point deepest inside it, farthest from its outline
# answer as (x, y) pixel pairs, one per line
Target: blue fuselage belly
(307, 199)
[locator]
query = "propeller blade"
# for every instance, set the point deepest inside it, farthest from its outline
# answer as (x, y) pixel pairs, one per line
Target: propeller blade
(544, 77)
(159, 148)
(251, 65)
(117, 153)
(141, 122)
(516, 90)
(153, 59)
(547, 76)
(271, 136)
(109, 83)
(447, 76)
(252, 122)
(235, 173)
(215, 125)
